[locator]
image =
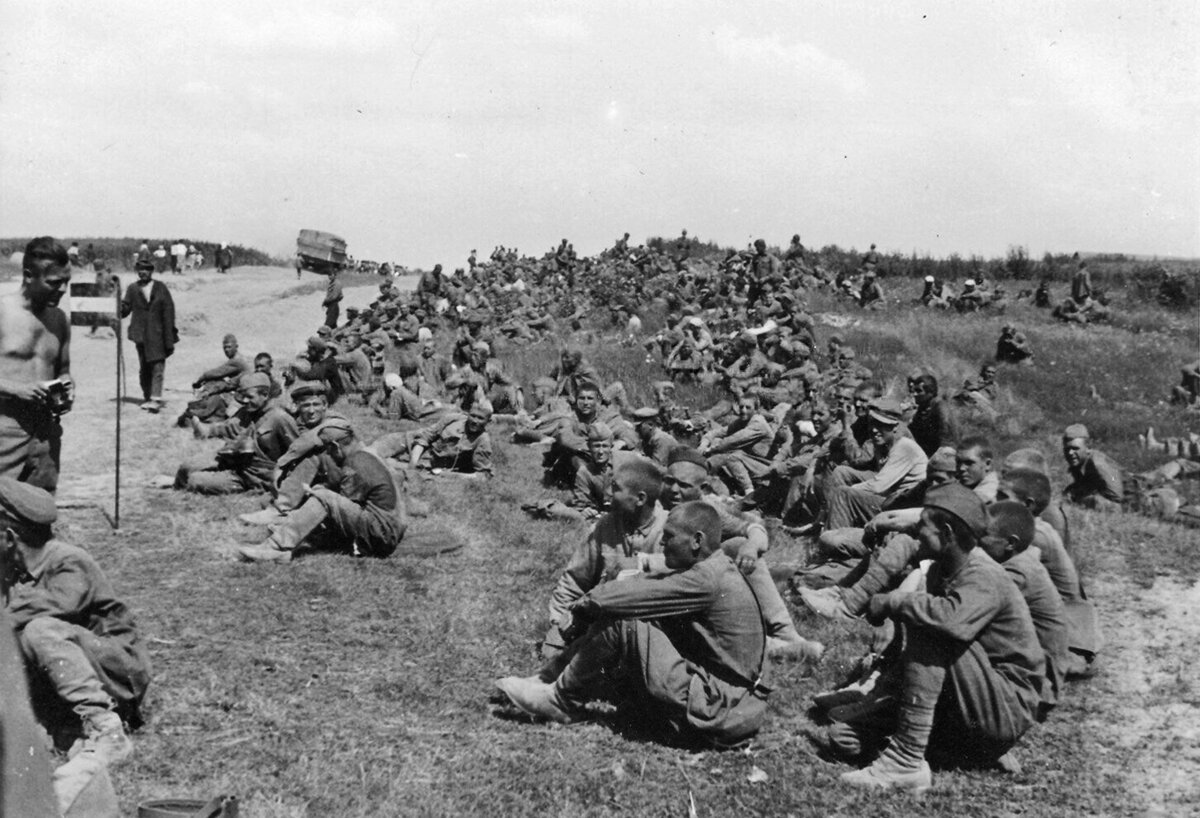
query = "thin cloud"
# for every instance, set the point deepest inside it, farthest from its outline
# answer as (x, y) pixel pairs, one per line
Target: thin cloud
(807, 62)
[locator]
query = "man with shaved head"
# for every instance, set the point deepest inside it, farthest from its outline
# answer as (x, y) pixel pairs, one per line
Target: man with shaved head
(744, 539)
(689, 646)
(620, 543)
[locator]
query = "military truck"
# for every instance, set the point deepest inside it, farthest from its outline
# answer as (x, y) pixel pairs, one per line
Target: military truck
(320, 252)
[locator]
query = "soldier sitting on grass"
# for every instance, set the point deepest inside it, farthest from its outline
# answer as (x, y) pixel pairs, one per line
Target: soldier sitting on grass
(258, 436)
(972, 669)
(363, 513)
(688, 648)
(458, 444)
(79, 641)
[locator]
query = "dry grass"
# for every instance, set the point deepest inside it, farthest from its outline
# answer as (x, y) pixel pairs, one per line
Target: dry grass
(334, 687)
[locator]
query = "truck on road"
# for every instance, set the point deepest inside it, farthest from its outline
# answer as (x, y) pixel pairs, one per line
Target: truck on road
(320, 252)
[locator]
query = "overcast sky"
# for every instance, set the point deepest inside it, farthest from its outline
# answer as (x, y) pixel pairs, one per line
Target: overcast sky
(420, 131)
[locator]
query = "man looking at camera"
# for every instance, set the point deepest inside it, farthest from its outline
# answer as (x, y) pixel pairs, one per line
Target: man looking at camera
(35, 382)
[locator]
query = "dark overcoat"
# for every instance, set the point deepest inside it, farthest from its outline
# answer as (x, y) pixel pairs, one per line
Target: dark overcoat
(151, 323)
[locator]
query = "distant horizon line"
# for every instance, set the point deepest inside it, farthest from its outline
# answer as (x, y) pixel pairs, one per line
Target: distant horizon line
(1088, 254)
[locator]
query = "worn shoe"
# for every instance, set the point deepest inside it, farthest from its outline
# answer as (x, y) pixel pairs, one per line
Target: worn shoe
(826, 602)
(266, 516)
(797, 650)
(106, 739)
(888, 774)
(1009, 764)
(535, 698)
(264, 553)
(148, 406)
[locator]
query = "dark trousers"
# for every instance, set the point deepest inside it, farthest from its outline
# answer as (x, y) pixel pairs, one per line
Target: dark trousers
(331, 315)
(150, 374)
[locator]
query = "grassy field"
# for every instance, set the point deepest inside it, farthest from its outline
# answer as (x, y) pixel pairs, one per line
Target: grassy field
(334, 687)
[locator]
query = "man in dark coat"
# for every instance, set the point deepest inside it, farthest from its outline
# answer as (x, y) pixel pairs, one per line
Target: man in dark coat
(152, 330)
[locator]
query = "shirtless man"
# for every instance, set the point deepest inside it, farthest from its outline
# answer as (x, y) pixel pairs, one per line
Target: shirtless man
(35, 339)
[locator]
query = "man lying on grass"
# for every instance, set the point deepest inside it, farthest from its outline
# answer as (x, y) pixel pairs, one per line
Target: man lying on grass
(687, 647)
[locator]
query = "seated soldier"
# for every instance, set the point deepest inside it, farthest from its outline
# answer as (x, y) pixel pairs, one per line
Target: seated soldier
(689, 646)
(317, 364)
(458, 444)
(79, 641)
(487, 373)
(656, 443)
(1096, 481)
(870, 295)
(305, 462)
(397, 400)
(354, 365)
(1013, 347)
(933, 424)
(573, 372)
(740, 455)
(980, 392)
(744, 539)
(853, 496)
(1031, 488)
(870, 700)
(549, 412)
(973, 468)
(569, 450)
(264, 363)
(1187, 393)
(215, 385)
(363, 513)
(620, 541)
(593, 483)
(259, 434)
(972, 670)
(1011, 532)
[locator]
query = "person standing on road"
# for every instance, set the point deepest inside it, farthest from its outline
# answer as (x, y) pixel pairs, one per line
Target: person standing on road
(152, 330)
(333, 300)
(224, 258)
(35, 381)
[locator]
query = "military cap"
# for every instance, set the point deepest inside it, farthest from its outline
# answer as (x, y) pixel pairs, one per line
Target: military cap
(392, 381)
(944, 459)
(324, 332)
(645, 413)
(963, 503)
(144, 264)
(317, 344)
(338, 425)
(885, 411)
(599, 433)
(928, 279)
(1025, 458)
(308, 389)
(686, 454)
(481, 346)
(26, 504)
(254, 380)
(1076, 430)
(849, 354)
(482, 411)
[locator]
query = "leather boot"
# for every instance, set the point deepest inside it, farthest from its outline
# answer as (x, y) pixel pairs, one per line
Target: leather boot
(902, 765)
